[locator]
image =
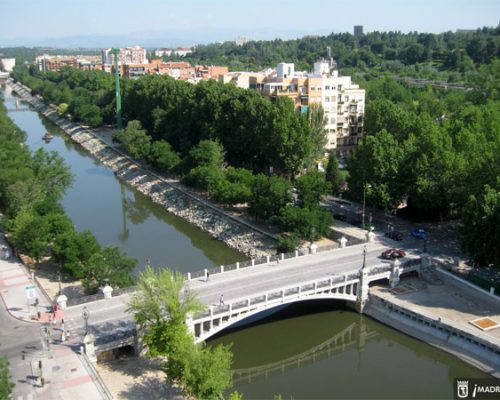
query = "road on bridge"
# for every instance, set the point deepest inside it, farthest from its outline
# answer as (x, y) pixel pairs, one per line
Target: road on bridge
(106, 315)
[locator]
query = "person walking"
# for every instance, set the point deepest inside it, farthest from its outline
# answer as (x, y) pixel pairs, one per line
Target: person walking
(221, 300)
(208, 276)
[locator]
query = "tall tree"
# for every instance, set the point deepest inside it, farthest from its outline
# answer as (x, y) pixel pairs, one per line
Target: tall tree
(480, 234)
(332, 172)
(311, 187)
(160, 307)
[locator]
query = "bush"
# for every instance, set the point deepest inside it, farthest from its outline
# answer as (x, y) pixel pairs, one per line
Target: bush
(287, 243)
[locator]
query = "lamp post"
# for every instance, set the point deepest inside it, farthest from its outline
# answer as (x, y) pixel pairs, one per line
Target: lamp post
(59, 278)
(86, 315)
(364, 257)
(366, 186)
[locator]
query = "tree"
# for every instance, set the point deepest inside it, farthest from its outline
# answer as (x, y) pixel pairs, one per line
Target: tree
(73, 250)
(111, 266)
(51, 172)
(481, 227)
(269, 195)
(307, 223)
(207, 153)
(377, 161)
(160, 307)
(311, 187)
(204, 177)
(332, 173)
(31, 234)
(162, 156)
(5, 384)
(134, 140)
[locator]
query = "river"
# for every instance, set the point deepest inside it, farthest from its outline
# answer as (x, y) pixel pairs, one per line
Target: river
(312, 350)
(117, 214)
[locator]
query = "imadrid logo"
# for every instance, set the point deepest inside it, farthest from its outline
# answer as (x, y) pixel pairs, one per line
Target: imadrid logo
(480, 389)
(462, 389)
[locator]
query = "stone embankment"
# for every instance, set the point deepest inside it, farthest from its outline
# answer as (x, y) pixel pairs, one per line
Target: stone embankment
(236, 234)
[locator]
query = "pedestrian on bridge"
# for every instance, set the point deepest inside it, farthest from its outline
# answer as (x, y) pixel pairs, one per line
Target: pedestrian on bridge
(208, 276)
(221, 301)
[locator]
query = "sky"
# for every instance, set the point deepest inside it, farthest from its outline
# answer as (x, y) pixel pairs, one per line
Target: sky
(29, 21)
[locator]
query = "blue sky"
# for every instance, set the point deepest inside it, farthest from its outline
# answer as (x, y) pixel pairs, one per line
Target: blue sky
(255, 18)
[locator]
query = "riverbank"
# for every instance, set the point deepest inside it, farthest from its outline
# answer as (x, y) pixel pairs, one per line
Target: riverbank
(439, 313)
(233, 231)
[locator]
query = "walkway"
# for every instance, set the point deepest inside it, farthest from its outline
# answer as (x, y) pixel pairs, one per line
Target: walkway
(67, 374)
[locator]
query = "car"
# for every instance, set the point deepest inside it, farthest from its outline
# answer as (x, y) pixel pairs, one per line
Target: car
(342, 203)
(419, 233)
(394, 235)
(340, 217)
(393, 253)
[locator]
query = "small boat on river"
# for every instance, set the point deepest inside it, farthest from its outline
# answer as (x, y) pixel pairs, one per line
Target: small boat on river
(47, 137)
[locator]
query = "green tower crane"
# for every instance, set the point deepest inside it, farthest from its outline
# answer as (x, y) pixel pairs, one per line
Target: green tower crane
(118, 98)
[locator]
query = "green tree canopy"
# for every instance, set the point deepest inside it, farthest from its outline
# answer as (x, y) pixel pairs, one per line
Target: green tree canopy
(311, 187)
(480, 233)
(269, 196)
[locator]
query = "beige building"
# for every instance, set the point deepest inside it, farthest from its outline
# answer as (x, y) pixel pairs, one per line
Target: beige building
(342, 101)
(55, 63)
(126, 55)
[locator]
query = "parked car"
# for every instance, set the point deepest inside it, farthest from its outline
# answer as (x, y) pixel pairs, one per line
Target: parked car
(340, 217)
(394, 235)
(419, 233)
(393, 253)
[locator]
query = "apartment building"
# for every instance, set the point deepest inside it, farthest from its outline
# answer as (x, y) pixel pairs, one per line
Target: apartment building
(126, 55)
(176, 70)
(342, 101)
(55, 63)
(210, 72)
(179, 52)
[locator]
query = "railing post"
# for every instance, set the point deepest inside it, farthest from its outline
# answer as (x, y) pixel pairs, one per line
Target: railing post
(283, 296)
(266, 300)
(222, 268)
(189, 276)
(300, 290)
(282, 256)
(296, 253)
(206, 272)
(237, 265)
(248, 304)
(253, 262)
(268, 258)
(315, 287)
(211, 318)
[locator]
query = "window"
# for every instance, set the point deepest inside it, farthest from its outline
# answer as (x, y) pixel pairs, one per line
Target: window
(347, 99)
(327, 87)
(327, 99)
(313, 88)
(339, 88)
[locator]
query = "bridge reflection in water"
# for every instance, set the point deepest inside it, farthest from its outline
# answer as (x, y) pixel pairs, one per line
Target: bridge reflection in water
(296, 337)
(354, 336)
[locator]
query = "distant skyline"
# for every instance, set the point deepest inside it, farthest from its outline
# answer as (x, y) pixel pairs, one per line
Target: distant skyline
(92, 23)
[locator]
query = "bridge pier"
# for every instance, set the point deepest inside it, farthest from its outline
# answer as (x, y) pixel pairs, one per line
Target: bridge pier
(362, 292)
(395, 273)
(89, 343)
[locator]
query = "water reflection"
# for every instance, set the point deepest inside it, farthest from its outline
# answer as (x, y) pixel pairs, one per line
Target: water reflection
(320, 350)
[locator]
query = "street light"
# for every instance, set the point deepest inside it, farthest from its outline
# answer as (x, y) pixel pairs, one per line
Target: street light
(366, 186)
(86, 315)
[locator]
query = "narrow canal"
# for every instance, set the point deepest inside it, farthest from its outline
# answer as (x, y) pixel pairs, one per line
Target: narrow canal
(311, 350)
(118, 214)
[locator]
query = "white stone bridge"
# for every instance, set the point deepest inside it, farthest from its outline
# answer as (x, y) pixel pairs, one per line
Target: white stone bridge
(254, 289)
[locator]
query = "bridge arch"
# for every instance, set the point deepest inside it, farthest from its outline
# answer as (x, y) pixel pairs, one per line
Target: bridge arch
(220, 320)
